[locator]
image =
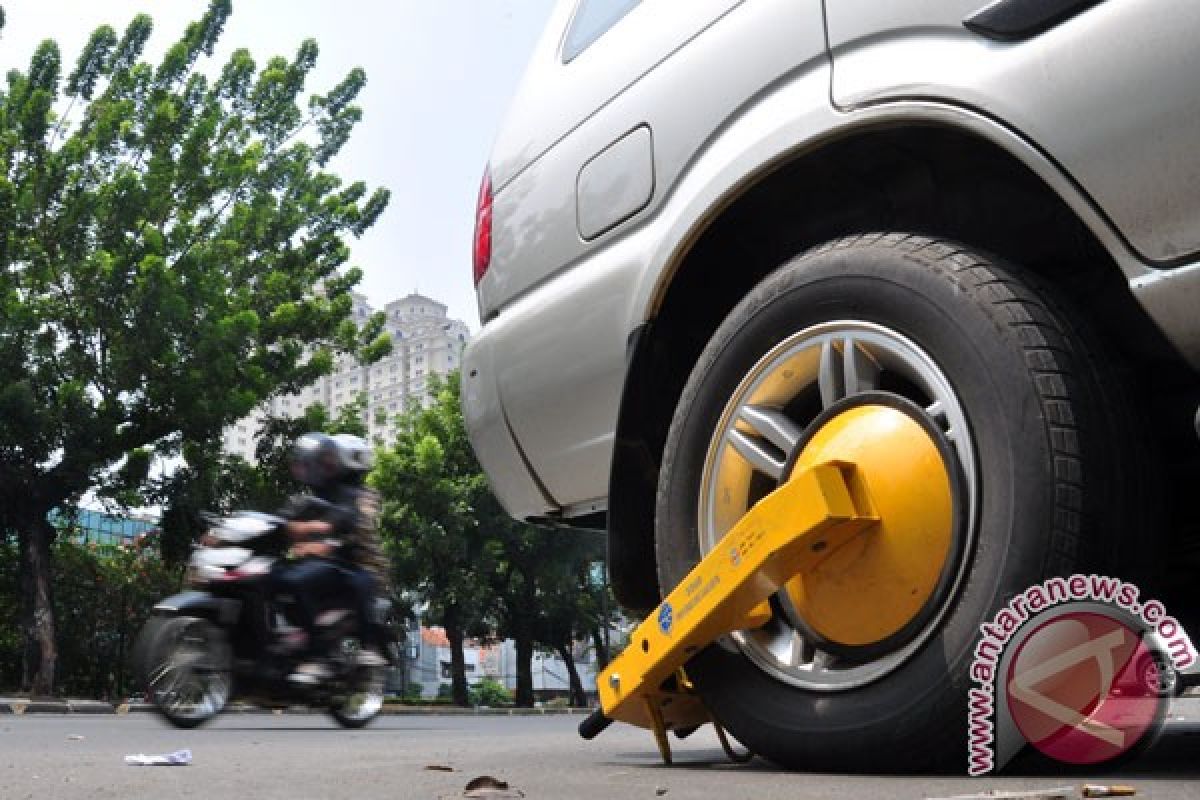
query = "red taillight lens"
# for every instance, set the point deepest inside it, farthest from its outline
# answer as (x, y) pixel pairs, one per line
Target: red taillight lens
(483, 228)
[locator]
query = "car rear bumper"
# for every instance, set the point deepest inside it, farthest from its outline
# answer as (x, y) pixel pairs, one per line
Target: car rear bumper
(509, 474)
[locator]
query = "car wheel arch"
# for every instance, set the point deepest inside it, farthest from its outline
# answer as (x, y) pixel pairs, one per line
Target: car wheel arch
(923, 176)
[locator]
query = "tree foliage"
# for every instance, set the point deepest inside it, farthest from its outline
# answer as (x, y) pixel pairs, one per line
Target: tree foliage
(104, 595)
(475, 569)
(211, 480)
(430, 481)
(171, 253)
(570, 602)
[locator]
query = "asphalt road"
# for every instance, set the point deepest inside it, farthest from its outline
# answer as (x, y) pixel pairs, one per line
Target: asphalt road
(305, 756)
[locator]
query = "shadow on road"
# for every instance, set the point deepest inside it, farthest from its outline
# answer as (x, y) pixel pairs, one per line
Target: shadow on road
(1175, 754)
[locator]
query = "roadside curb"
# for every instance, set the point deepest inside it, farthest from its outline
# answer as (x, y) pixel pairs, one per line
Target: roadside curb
(434, 711)
(20, 706)
(389, 710)
(24, 706)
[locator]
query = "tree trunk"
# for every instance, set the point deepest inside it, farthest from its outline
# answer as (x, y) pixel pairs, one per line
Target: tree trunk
(578, 698)
(524, 696)
(37, 606)
(601, 648)
(458, 663)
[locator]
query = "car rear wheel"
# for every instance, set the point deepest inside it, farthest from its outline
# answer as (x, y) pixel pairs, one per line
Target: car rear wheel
(1019, 462)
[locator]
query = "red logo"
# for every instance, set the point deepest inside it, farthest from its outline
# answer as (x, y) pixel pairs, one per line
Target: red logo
(1084, 688)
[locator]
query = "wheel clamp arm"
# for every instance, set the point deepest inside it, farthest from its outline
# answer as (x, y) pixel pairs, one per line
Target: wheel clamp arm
(787, 533)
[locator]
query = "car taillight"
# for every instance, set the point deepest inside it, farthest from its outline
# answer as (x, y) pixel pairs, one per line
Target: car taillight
(483, 228)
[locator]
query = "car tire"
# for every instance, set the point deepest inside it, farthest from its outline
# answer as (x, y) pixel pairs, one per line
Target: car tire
(1059, 477)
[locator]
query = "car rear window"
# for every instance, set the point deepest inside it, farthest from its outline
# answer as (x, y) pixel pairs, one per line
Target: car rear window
(591, 20)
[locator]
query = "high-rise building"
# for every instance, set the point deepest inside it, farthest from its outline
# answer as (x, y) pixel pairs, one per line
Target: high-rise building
(425, 342)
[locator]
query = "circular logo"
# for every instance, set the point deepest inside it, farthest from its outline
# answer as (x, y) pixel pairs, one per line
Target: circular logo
(666, 616)
(1085, 687)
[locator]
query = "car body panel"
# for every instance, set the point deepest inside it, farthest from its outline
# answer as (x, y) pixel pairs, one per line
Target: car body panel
(559, 309)
(616, 184)
(1171, 298)
(562, 305)
(554, 98)
(1110, 94)
(564, 115)
(511, 479)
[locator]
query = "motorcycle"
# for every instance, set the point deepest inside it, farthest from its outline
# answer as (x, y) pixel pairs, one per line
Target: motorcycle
(223, 637)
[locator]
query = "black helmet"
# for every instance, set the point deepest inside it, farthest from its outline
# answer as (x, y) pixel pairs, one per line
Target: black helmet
(319, 460)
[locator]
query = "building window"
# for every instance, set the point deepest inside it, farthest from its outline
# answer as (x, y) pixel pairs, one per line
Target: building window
(446, 669)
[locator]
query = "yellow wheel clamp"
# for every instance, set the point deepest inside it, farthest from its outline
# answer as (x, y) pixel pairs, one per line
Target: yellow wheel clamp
(787, 533)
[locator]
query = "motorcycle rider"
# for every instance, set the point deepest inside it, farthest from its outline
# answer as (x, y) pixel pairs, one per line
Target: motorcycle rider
(336, 543)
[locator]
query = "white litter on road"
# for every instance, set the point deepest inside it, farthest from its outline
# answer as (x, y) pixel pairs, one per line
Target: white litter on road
(180, 758)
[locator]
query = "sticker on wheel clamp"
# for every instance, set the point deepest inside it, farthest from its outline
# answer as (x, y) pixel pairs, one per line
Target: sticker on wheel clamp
(698, 592)
(1085, 672)
(666, 617)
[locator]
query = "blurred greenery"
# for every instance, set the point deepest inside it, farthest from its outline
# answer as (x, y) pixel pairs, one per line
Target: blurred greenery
(488, 692)
(173, 255)
(104, 595)
(472, 568)
(453, 548)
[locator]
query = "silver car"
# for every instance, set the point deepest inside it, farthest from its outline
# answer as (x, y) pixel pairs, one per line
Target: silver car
(710, 228)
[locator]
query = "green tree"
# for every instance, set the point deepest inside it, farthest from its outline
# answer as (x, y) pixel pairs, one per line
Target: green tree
(521, 564)
(546, 592)
(171, 252)
(103, 596)
(429, 482)
(568, 601)
(10, 634)
(490, 693)
(277, 435)
(214, 481)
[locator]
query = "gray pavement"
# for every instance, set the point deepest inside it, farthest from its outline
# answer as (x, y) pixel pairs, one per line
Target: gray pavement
(306, 756)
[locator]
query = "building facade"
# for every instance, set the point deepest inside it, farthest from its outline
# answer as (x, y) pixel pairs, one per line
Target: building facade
(428, 666)
(425, 342)
(92, 526)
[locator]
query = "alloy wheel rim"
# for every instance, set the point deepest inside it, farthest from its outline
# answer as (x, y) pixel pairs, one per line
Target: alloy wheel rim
(760, 427)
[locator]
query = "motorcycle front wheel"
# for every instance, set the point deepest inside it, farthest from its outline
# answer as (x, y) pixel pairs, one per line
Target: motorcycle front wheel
(361, 700)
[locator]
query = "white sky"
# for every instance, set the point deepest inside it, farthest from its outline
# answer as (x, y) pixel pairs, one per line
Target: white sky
(439, 76)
